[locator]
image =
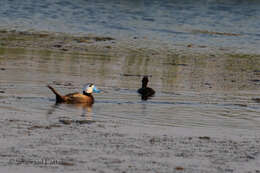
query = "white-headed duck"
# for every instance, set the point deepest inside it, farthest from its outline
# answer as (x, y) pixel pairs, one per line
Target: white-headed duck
(74, 98)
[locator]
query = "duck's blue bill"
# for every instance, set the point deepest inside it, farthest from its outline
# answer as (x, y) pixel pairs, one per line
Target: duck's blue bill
(95, 90)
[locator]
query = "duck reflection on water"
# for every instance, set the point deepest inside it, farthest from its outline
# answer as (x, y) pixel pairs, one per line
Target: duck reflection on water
(86, 112)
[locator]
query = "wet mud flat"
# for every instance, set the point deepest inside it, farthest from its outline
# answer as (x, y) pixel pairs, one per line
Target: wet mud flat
(82, 43)
(199, 121)
(118, 147)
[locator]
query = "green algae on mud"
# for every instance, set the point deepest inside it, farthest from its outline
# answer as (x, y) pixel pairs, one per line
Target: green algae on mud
(47, 40)
(103, 46)
(77, 44)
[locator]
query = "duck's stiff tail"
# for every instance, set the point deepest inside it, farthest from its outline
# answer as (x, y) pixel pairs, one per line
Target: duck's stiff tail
(59, 98)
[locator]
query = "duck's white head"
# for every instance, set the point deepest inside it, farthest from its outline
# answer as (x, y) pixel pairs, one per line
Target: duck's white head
(90, 88)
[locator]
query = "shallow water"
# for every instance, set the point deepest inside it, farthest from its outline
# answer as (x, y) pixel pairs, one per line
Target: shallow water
(228, 24)
(202, 112)
(208, 93)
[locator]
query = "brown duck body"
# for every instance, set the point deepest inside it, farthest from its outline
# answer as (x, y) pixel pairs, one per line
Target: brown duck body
(73, 98)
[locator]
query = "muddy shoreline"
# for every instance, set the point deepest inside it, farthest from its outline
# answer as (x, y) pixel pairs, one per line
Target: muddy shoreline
(31, 142)
(111, 147)
(69, 43)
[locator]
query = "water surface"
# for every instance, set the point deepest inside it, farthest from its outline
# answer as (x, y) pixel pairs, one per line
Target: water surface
(233, 24)
(202, 112)
(202, 92)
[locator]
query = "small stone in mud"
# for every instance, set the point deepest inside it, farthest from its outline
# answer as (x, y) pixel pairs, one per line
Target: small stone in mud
(57, 83)
(207, 84)
(101, 125)
(67, 122)
(64, 49)
(242, 105)
(84, 121)
(137, 75)
(68, 84)
(67, 163)
(202, 46)
(189, 45)
(179, 168)
(153, 140)
(256, 99)
(3, 31)
(175, 64)
(255, 80)
(250, 157)
(38, 127)
(2, 92)
(57, 45)
(103, 38)
(229, 170)
(204, 137)
(256, 71)
(2, 69)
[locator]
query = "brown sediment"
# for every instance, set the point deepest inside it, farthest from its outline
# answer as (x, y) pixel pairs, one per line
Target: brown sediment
(179, 168)
(43, 127)
(204, 137)
(68, 122)
(50, 41)
(66, 163)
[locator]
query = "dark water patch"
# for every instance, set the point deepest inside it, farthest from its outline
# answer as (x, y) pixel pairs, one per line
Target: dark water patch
(168, 93)
(66, 83)
(17, 120)
(256, 100)
(43, 126)
(232, 105)
(102, 38)
(132, 75)
(69, 122)
(204, 137)
(148, 19)
(169, 31)
(145, 102)
(175, 64)
(36, 99)
(214, 33)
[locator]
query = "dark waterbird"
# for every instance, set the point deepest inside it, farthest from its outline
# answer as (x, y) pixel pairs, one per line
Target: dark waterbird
(75, 98)
(145, 92)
